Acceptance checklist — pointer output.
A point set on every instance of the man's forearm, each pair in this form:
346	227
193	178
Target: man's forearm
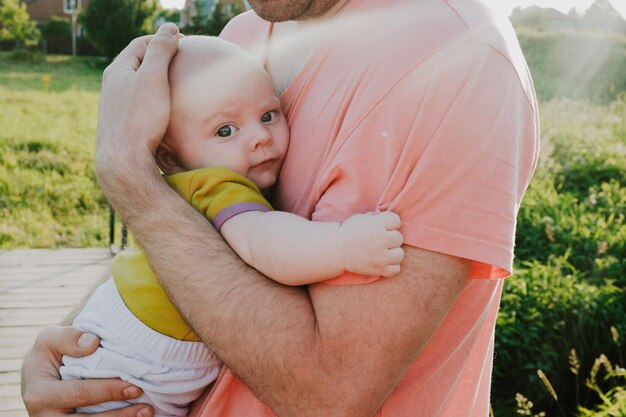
219	294
327	351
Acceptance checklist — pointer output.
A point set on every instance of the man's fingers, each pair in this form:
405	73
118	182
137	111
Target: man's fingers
161	49
66	340
138	49
54	394
132	55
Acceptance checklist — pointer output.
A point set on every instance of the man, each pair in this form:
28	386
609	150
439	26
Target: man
422	107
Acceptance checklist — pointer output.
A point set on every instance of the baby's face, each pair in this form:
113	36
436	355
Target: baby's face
228	115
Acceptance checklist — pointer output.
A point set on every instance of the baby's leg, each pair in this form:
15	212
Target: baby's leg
171	372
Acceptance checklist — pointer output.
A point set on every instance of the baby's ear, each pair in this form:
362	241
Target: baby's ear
166	159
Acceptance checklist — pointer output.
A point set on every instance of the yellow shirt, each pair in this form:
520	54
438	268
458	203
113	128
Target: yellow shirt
216	192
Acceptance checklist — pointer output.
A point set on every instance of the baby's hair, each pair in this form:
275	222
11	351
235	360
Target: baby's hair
197	52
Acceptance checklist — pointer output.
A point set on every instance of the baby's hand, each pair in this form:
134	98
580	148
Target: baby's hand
371	244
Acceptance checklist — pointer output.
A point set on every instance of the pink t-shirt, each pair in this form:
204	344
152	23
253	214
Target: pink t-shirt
425	108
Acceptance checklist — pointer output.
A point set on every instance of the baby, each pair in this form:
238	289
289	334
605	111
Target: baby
224	147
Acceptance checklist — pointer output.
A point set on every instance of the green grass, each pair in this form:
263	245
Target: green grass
49	196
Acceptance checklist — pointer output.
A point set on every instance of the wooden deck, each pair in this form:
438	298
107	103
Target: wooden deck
38	287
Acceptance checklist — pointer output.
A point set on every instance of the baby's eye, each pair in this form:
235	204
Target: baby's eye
226	131
269	116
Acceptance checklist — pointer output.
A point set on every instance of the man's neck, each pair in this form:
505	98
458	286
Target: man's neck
293	43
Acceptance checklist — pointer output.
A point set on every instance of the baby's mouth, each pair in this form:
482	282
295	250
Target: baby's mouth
264	164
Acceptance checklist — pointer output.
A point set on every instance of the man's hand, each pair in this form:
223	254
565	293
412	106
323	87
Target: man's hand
134	106
46	395
371	244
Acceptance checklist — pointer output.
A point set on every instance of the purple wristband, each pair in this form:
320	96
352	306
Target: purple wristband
231	211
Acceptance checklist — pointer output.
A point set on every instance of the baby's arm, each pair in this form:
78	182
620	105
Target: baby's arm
295	251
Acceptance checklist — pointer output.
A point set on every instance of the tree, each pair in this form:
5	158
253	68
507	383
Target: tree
167	15
602	16
111	24
220	17
15	24
57	26
209	20
199	19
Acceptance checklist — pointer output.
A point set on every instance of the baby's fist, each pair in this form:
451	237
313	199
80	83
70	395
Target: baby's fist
371	244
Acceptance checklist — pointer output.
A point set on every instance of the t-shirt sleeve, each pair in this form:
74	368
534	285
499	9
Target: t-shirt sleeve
454	143
218	193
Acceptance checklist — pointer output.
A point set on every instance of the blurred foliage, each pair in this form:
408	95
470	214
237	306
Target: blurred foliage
613	399
601	16
569	284
111	24
167	15
57	26
16	26
57	38
210	22
589	65
572	55
577	200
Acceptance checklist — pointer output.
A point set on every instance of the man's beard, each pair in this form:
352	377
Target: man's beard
282	10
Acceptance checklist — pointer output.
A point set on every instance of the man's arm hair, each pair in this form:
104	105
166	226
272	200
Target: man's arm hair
326	350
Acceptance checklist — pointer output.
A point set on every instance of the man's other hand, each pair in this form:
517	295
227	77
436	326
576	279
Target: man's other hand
45	395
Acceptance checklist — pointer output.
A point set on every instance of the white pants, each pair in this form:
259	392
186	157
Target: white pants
172	373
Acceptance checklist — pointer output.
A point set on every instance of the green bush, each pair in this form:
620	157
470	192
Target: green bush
212	23
110	25
569	285
27	56
16	25
577	200
57	26
613	402
548	309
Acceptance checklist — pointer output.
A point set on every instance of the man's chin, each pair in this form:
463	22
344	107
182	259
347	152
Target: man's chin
281	10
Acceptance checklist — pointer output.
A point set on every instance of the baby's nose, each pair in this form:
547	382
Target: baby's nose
260	138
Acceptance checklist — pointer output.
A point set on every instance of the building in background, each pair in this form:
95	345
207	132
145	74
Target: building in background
42	10
58	22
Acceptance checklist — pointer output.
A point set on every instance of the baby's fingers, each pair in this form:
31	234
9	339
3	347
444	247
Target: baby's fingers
394	259
391	270
391	220
395	256
394	239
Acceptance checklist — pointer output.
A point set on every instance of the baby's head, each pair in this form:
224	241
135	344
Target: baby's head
225	112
